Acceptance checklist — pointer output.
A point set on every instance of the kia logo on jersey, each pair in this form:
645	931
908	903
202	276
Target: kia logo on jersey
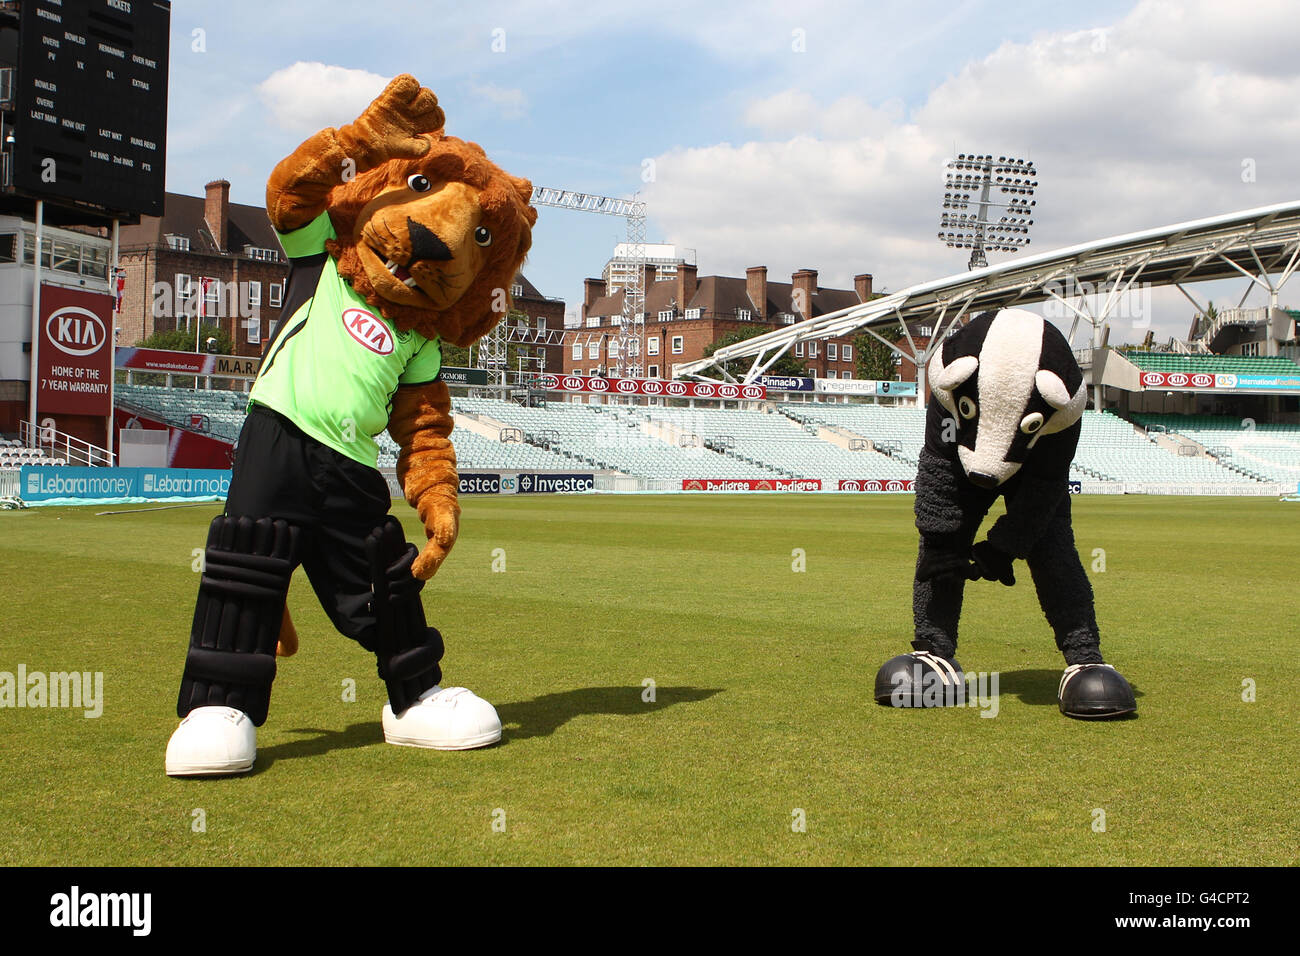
368	331
76	331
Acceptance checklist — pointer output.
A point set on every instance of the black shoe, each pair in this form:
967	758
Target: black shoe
1095	690
921	679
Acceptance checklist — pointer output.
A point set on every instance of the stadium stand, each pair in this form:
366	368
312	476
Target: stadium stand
1266	452
1221	364
1111	448
14	454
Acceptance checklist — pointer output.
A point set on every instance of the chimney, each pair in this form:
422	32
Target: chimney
592	289
686	286
216	210
862	286
804	283
756	289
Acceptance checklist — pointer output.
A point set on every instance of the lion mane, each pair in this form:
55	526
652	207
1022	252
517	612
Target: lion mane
504	202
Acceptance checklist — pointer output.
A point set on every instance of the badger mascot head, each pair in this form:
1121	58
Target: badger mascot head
1007	379
1008	399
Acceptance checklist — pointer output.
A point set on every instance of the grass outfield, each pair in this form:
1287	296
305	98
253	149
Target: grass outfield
763	696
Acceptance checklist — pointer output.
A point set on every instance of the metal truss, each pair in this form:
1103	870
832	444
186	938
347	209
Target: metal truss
1256	243
631	329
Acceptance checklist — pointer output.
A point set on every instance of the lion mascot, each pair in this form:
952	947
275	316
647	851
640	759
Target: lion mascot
1008	401
398	238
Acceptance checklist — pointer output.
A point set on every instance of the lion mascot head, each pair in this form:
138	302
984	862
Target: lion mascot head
434	243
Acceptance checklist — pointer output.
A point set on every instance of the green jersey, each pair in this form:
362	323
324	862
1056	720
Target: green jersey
334	361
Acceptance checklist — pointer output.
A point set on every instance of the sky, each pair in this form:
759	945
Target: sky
813	135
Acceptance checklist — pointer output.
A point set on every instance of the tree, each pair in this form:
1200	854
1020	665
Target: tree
787	364
182	340
875	360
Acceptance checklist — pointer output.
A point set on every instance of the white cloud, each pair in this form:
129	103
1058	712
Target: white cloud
305	97
1144	123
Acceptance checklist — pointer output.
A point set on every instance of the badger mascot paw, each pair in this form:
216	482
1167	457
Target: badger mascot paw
399	238
1004	420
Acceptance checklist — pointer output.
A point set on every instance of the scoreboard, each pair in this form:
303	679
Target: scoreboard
90	121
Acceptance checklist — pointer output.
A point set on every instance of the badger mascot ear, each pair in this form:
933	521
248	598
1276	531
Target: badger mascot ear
1069	408
945	378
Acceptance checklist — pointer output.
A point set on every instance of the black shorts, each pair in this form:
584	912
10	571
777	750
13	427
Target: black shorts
282	472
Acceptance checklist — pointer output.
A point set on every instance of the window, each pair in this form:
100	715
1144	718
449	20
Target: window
846	374
211	295
593	321
541	323
257	252
925	331
516	290
652	345
744	315
832	352
577	351
798	350
29	250
593	349
67	257
179	243
613	348
184	287
785	318
848	353
653	371
275	295
94	262
667	315
8	246
677	345
812	349
693	313
254	294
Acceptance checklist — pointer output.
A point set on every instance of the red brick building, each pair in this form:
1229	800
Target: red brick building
204	257
539	338
686	314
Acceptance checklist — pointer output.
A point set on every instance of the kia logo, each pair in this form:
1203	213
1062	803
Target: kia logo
728	391
704	390
850	486
76	331
909	485
1177	378
368	331
598	384
1153	378
894	485
873	485
752	391
652	387
1202	380
676	388
573	384
626	385
548	381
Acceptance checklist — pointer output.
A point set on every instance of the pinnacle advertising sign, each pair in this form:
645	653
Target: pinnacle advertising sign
75	370
595	385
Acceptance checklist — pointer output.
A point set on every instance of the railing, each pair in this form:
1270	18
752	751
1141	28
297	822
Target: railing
58	444
1246	317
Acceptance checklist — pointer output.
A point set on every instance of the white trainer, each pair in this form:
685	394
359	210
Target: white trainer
212	741
453	718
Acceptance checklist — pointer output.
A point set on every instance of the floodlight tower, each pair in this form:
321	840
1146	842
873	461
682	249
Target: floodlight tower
1004	183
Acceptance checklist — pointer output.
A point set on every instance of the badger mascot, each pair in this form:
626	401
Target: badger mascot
1008	399
398	238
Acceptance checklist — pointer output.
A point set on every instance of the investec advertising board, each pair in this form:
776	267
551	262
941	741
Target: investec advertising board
525	483
76	361
43	483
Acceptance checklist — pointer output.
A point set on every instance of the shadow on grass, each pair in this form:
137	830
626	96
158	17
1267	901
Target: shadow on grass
543	715
323	741
1038	687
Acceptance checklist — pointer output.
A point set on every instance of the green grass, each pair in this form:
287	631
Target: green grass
763	682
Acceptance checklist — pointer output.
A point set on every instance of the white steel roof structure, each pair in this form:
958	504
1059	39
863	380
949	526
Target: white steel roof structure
1255	243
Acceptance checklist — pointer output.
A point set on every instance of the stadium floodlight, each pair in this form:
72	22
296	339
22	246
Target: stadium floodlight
975	184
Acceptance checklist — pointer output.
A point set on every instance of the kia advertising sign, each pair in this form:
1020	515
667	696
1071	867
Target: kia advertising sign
76	361
648	386
879	485
1219	381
